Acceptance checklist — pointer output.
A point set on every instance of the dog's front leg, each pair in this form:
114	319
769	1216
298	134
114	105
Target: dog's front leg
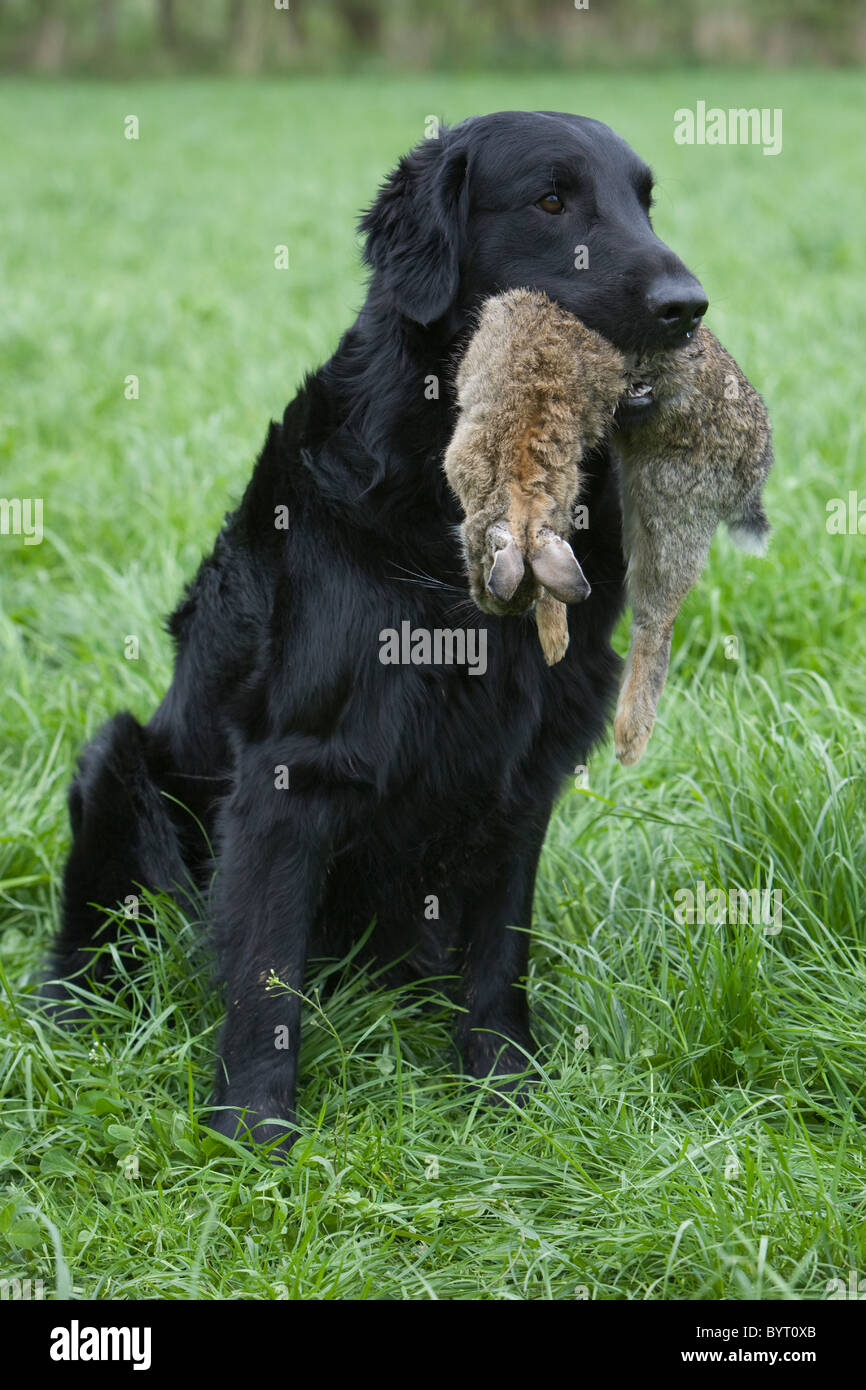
494	1034
272	867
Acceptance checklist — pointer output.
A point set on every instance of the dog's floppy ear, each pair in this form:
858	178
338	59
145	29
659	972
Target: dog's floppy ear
415	228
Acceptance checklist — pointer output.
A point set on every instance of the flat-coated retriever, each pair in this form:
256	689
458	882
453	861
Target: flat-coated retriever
341	772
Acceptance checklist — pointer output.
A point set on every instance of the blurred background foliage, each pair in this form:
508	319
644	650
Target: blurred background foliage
127	38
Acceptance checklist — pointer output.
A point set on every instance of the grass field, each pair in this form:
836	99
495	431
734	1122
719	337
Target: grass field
699	1129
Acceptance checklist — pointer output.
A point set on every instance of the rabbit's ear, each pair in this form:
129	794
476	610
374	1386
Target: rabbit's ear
507	572
555	566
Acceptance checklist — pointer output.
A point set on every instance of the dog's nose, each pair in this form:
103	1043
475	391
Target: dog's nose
678	303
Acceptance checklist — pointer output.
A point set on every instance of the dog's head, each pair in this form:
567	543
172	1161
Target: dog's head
553	202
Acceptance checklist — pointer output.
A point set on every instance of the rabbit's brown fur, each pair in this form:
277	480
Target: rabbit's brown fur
536	389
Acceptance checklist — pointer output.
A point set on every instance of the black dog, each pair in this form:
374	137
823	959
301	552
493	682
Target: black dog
338	789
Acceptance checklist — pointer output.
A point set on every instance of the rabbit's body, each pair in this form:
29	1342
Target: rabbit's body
537	388
701	457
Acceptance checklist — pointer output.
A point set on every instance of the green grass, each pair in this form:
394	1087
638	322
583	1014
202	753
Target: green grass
699	1129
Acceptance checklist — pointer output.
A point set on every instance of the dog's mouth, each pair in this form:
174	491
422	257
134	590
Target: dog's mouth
649	381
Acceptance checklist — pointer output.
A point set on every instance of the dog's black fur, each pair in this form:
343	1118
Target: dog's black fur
404	782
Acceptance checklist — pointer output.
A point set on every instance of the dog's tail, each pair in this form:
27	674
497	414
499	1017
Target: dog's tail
124	839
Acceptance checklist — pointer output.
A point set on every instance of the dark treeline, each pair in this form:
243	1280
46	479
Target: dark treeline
126	37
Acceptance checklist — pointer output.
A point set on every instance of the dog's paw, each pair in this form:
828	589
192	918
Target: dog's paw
489	1056
56	997
258	1122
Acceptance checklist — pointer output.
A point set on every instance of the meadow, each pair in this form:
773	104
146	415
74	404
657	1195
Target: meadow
698	1130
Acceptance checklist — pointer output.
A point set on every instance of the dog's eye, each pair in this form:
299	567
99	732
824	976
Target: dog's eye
551	202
